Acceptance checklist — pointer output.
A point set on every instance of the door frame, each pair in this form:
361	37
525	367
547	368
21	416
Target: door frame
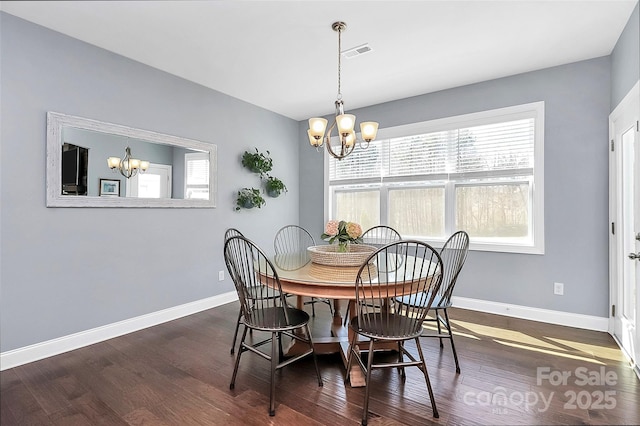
630	106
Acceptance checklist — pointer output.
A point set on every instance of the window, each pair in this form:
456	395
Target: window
196	176
479	172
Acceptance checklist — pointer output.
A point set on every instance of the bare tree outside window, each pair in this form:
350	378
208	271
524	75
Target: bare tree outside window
417	211
500	211
362	207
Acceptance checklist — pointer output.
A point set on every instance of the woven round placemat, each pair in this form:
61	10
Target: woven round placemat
330	256
343	274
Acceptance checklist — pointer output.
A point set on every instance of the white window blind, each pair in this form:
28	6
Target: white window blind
196	175
198	170
495	147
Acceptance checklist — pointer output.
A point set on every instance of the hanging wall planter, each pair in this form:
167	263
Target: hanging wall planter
258	162
249	198
274	187
262	164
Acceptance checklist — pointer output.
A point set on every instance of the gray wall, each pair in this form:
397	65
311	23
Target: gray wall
625	59
576	100
66	270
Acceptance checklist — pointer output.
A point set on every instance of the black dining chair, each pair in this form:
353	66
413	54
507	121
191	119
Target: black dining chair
264	309
294	240
417	279
453	254
380	235
232	232
376	236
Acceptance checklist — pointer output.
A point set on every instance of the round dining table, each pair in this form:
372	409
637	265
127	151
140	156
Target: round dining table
301	277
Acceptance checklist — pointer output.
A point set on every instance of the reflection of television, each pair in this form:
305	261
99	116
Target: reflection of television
74	169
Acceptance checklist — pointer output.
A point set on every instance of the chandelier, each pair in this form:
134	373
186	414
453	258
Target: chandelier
127	166
344	123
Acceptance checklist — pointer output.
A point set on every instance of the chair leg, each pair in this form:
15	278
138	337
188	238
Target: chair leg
235	369
280	350
453	346
365	412
350	357
346	315
274	363
235	333
400	360
426	376
328	302
315	357
437	315
313	307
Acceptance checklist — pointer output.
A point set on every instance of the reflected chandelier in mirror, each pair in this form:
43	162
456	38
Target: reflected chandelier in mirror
179	172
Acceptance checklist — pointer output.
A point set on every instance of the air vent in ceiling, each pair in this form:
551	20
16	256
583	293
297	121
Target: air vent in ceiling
356	51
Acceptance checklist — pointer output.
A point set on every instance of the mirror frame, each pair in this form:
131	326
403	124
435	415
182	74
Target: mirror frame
55	123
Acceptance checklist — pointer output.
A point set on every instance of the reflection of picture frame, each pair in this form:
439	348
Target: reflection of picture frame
109	188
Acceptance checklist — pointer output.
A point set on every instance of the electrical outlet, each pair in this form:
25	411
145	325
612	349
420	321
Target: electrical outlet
558	288
221	276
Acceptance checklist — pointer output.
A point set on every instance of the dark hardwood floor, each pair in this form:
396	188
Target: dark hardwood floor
178	373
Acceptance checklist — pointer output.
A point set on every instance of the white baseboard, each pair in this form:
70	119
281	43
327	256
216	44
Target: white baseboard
588	322
60	345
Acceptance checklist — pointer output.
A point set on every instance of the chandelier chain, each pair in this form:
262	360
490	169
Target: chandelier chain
339	61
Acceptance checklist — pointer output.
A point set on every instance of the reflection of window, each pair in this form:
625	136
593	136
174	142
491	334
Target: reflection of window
475	172
196	176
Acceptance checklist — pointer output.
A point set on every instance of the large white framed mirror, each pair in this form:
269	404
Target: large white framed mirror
87	166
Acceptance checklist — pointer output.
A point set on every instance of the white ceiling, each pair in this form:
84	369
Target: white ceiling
282	55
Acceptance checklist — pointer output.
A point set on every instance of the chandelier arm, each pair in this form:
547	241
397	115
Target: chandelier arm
342	154
121	168
363	144
327	141
344	150
129	173
126	160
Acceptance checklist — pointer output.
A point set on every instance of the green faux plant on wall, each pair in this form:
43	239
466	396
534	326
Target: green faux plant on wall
275	187
258	162
249	198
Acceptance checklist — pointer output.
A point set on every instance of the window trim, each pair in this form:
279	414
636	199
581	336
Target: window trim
530	110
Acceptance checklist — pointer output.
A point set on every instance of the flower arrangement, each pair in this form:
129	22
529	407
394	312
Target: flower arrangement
343	232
